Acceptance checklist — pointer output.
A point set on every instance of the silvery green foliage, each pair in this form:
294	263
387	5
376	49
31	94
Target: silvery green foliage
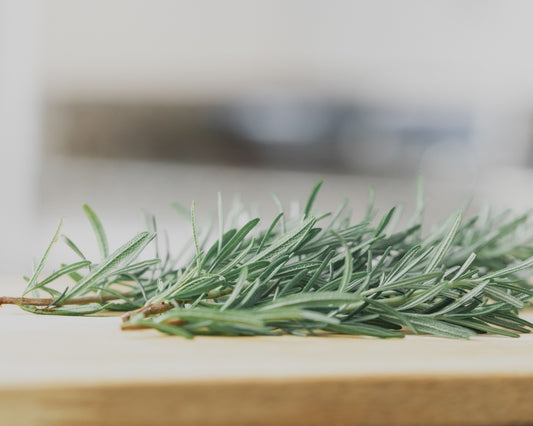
310	274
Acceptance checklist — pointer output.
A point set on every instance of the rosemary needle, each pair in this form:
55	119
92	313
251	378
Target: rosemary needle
307	274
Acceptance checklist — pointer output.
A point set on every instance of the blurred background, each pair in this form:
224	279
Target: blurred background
130	104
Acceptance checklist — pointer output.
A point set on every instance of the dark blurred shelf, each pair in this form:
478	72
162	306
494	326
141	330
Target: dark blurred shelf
286	134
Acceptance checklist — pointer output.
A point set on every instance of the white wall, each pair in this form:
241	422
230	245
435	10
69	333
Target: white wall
19	130
451	51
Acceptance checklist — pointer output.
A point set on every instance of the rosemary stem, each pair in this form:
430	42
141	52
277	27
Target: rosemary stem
160	307
134	326
6	300
151	309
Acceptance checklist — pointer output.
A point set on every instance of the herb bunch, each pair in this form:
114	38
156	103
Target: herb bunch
306	275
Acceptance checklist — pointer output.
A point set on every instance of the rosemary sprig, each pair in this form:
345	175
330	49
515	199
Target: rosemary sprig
308	274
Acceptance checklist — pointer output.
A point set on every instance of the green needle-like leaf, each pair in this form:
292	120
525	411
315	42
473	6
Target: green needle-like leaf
98	229
444	246
112	263
312	197
32	283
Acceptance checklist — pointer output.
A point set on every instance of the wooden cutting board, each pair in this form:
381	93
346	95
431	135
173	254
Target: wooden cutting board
86	371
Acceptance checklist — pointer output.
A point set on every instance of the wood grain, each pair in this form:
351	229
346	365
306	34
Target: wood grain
83	371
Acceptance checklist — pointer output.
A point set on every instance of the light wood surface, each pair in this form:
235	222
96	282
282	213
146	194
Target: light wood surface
84	371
